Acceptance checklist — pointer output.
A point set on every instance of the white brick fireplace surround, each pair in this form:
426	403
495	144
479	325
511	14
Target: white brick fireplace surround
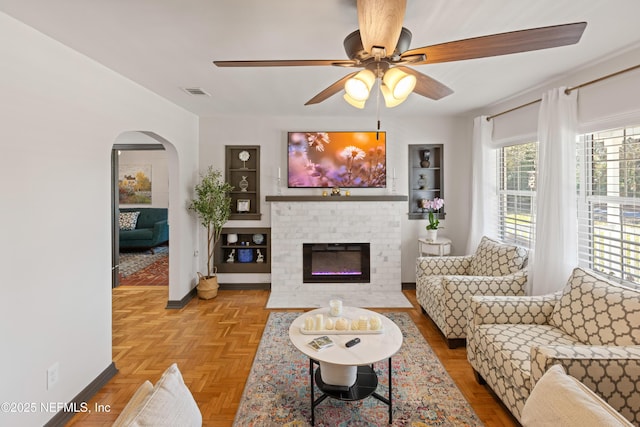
348	219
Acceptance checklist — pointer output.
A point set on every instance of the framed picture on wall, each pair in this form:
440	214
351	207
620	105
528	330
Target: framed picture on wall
134	184
244	205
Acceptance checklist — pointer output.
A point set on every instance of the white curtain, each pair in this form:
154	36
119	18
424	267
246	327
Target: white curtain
483	190
556	242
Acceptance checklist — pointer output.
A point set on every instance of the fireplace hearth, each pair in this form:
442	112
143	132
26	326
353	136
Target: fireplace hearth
336	262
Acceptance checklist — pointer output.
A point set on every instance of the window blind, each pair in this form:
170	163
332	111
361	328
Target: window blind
608	187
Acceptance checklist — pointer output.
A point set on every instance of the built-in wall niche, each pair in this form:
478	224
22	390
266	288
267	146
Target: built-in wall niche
426	178
243	250
242	171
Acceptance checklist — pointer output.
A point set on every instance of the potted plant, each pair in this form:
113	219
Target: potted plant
431	206
212	204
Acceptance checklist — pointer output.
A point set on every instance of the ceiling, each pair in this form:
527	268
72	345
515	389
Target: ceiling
167	45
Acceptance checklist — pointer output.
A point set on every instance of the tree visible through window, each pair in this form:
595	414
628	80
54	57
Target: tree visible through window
516	193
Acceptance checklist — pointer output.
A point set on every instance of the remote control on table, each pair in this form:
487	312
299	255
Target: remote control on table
352	342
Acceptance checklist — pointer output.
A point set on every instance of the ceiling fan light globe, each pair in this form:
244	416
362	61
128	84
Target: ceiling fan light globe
359	86
389	100
353	102
399	83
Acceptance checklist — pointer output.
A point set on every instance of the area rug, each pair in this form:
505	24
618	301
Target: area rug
132	262
277	390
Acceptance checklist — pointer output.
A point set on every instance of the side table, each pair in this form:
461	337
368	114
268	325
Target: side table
439	247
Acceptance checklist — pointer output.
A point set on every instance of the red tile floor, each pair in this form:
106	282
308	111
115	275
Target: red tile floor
156	274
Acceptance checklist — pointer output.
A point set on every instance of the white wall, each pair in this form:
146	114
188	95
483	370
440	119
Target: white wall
271	134
61	114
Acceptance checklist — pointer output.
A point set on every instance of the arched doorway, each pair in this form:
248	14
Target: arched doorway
160	165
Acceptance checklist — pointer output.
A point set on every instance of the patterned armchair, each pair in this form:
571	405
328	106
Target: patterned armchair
445	284
591	328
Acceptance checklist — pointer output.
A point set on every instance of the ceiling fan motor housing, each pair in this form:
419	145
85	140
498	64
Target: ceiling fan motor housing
355	50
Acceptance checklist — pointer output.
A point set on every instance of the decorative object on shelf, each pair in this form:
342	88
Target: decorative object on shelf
259	257
212	204
258	238
431	206
422	182
245	255
425	156
325	193
347	193
232	238
232	256
244	156
335	191
243	184
244	205
425	178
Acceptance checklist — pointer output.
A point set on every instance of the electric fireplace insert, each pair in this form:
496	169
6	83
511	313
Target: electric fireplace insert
336	262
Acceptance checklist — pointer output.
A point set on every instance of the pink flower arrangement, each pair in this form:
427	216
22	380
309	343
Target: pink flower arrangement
432	206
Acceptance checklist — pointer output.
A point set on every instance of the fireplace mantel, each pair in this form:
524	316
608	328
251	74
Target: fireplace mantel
372	198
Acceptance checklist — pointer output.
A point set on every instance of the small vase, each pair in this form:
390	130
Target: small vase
243	184
426	154
432	235
422	182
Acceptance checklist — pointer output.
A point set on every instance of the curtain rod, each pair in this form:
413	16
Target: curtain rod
567	91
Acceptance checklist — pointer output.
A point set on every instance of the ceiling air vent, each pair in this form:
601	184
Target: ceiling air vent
196	91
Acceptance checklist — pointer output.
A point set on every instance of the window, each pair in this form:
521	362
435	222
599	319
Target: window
517	193
609	203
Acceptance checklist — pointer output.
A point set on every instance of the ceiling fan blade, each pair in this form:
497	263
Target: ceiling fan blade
427	86
500	44
331	90
287	63
380	23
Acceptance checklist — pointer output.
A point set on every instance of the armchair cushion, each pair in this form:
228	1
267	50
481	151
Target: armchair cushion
493	258
597	311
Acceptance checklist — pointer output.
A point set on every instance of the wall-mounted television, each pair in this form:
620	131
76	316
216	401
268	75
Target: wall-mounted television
336	159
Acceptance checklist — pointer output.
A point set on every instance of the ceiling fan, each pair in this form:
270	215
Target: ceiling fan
381	48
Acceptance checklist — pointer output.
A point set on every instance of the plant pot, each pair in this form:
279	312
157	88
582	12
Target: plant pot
432	235
207	286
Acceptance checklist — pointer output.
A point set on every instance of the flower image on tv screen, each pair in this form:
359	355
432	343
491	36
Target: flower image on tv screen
337	159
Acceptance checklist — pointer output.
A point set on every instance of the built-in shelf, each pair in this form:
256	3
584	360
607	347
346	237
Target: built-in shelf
244	176
426	177
249	252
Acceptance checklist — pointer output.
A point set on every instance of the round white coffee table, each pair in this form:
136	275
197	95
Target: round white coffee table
348	372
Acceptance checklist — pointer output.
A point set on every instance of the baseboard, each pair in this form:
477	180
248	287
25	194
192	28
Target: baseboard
63	417
408	286
178	304
245	286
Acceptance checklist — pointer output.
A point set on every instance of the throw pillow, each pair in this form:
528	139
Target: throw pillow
134	407
169	404
559	400
128	220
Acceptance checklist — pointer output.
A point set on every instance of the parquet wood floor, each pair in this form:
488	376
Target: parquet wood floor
214	343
